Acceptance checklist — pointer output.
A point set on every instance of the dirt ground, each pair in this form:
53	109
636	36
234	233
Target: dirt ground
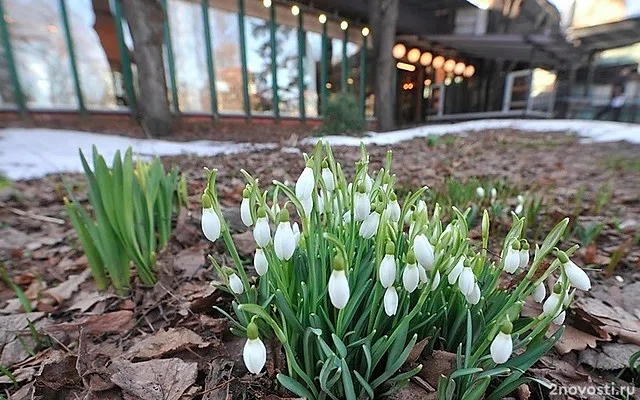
99	346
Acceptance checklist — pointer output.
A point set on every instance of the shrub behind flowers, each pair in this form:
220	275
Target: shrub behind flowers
350	292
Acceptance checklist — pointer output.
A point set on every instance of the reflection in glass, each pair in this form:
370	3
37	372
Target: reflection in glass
287	61
259	65
312	65
7	98
40	53
334	53
225	38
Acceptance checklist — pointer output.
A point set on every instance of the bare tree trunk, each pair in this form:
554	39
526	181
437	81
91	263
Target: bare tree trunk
146	23
383	16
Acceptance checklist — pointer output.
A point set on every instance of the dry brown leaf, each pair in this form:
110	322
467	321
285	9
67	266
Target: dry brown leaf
163	343
575	339
113	322
12	324
85	300
440	363
612	356
24	374
67	288
190	260
165	379
608	320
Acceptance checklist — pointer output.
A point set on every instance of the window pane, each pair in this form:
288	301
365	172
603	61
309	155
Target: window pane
41	53
225	39
312	65
259	65
335	66
97	55
287	60
7	98
187	39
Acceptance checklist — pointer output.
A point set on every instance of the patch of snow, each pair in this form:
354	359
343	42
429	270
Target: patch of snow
34	153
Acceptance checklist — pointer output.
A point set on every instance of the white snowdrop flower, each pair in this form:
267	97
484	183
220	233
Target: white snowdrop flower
346	217
296	232
559	319
550	305
436	281
520	199
327	177
390	301
480	192
262	231
370	224
501	347
361	204
456	271
512	259
245	209
524	255
411	274
305	183
338	284
284	241
393	208
368	183
260	262
254	353
236	284
387	270
577	277
320	203
424	251
518	209
210	224
422	273
307	206
474	297
408	217
466	281
539	293
494	195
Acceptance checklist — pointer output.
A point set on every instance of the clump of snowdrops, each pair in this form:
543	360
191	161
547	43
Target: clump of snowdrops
350	290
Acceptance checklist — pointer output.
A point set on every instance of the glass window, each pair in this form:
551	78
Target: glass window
334	53
97	54
187	39
7	97
225	38
312	66
259	65
40	52
287	61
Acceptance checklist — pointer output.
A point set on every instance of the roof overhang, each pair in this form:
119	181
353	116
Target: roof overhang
607	36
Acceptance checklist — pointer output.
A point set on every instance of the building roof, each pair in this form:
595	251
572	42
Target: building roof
607	36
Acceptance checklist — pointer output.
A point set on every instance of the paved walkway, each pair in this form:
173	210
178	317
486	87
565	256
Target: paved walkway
33	153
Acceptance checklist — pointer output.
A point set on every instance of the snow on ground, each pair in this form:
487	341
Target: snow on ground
33	153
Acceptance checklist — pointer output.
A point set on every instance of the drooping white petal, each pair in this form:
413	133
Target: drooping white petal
455	272
390	301
346	217
210	224
423	274
511	260
262	232
235	284
284	242
520	199
436	281
338	289
307	206
260	262
254	355
320	203
518	209
424	251
524	258
245	212
549	306
410	277
387	270
501	348
393	209
327	177
480	191
361	206
474	297
539	293
305	183
577	276
559	319
296	232
369	226
466	281
368	183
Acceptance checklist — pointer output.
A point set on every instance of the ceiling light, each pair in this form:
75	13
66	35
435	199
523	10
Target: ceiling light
399	51
425	59
406	67
438	62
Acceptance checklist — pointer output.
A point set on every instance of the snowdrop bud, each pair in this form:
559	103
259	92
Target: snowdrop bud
411	274
408	217
502	345
424	251
520	199
235	284
346	217
524	254
512	259
480	192
456	271
338	284
320	203
387	270
254	353
539	293
327	177
559	320
422	273
284	242
518	209
305	183
466	281
370	224
494	195
245	209
210	224
296	232
361	204
436	281
368	183
474	297
550	305
260	262
262	232
393	208
577	277
390	301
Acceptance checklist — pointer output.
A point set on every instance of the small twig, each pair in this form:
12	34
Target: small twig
37	217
